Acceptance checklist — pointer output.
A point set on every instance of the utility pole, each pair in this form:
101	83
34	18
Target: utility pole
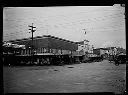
84	31
123	5
32	31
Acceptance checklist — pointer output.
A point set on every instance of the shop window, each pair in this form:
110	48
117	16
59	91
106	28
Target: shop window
45	50
41	50
25	51
51	51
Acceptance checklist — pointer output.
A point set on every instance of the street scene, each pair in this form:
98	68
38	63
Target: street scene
85	77
64	49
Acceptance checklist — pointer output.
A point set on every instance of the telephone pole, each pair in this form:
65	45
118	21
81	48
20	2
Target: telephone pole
32	31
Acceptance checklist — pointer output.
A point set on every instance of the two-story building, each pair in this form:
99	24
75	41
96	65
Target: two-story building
101	52
85	49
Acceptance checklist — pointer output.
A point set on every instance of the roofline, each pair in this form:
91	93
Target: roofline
86	40
81	41
102	48
108	48
40	37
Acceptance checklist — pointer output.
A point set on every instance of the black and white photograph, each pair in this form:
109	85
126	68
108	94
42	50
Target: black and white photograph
64	49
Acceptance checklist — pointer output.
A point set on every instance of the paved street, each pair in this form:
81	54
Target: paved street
84	77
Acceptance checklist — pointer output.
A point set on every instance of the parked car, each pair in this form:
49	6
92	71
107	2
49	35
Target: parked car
121	59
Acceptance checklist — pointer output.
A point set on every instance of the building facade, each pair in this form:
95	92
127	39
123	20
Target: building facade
109	51
101	52
83	47
46	44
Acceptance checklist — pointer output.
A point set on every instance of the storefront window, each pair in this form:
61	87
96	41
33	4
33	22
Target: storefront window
51	50
41	50
45	50
25	51
38	50
59	51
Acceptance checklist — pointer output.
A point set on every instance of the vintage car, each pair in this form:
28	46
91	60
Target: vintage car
121	59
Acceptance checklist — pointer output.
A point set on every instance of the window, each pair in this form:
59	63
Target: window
30	51
37	50
40	50
21	52
25	51
59	51
45	50
51	51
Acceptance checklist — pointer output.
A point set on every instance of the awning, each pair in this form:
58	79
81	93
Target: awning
44	54
77	55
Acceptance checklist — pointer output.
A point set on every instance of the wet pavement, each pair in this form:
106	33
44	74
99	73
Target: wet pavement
85	77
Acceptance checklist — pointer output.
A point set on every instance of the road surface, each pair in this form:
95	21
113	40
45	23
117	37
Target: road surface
85	77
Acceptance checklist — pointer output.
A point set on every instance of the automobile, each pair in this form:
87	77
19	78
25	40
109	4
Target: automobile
121	59
111	58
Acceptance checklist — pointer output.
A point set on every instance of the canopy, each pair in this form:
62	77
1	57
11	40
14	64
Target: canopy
8	44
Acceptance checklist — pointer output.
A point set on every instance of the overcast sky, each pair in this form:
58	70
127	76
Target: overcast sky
104	25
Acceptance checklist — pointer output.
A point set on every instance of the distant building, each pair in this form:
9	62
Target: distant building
116	50
9	48
96	51
85	50
83	47
101	52
112	50
108	51
121	50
